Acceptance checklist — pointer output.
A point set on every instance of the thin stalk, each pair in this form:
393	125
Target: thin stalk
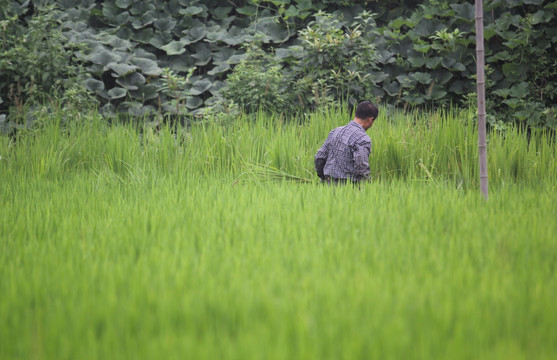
480	82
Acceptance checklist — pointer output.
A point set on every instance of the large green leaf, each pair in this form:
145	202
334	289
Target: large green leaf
123	4
248	10
515	72
464	11
96	69
452	64
103	57
165	24
216	36
145	20
392	88
144	92
142	7
416	61
237	35
436	93
161	39
513	103
406	81
542	16
202	54
414	99
144	36
421	77
142	53
500	55
402	47
238	58
221	12
489	32
108	110
433	62
117	43
273	29
200	86
223	55
519	90
219	69
121	69
110	11
197	33
125	56
135	108
191	11
117	93
193	102
428	27
131	81
179	63
423	48
441	76
124	32
378	76
399	22
175	47
94	85
504	92
459	87
216	87
147	66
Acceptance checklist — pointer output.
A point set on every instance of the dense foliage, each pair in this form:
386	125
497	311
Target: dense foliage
151	58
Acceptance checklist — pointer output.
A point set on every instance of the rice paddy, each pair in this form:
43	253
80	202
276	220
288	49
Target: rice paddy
218	241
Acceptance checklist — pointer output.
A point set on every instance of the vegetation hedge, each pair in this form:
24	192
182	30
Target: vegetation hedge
180	57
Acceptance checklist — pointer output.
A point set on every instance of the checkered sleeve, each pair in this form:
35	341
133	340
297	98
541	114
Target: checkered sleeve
361	151
321	158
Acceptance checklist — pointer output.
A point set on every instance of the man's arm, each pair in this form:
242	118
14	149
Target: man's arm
361	160
321	159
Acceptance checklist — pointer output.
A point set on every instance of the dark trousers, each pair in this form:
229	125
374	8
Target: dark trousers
335	181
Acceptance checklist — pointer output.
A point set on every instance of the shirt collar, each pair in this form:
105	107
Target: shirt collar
358	125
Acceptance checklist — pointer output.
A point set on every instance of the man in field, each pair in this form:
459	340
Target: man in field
345	154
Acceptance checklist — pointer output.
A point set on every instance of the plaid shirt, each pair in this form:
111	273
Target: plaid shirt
345	154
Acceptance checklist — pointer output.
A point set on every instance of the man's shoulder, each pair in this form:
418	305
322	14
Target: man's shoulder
359	130
337	129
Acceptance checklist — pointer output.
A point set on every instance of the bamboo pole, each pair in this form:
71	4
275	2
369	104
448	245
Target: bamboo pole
480	84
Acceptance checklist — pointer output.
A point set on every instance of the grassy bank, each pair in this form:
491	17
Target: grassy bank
174	244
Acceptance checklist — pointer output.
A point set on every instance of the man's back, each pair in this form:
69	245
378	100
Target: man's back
345	154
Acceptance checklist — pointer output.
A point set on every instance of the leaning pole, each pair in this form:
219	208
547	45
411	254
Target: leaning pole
480	83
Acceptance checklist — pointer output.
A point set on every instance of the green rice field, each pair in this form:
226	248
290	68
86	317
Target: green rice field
217	241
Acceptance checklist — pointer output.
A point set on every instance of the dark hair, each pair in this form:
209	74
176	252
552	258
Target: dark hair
366	109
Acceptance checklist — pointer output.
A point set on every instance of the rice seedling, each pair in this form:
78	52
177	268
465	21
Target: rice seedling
197	243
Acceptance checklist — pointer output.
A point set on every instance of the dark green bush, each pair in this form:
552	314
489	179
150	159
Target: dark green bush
331	62
36	62
257	83
336	59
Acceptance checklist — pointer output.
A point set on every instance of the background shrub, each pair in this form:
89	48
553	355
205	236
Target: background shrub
257	83
36	62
